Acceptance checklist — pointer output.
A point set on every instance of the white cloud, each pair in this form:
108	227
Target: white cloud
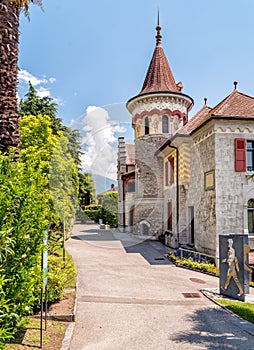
25	76
43	92
52	80
99	142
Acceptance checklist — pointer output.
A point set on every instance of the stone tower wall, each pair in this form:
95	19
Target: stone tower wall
149	193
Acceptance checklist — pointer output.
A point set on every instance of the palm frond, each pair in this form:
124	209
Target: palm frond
24	4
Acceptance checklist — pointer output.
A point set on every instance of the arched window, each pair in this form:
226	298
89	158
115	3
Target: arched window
146	126
165	124
251	216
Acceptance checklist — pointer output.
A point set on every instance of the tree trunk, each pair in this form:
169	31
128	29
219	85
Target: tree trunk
9	40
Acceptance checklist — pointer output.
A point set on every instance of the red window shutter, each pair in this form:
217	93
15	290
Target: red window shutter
240	155
166	174
172	169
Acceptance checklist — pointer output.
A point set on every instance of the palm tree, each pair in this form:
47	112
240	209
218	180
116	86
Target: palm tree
9	40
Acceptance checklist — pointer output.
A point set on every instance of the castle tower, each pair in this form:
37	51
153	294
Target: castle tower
158	112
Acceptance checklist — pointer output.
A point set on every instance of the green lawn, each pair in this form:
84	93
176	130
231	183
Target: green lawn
244	310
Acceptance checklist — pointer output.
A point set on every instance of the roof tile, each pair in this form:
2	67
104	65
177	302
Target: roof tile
159	76
235	105
195	120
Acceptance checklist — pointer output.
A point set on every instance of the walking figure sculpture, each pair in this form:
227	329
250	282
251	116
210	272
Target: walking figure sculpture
233	267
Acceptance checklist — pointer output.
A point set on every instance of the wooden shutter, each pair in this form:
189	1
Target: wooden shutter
166	174
172	169
240	155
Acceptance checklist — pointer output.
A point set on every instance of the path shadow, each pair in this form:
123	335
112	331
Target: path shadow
213	330
154	252
95	235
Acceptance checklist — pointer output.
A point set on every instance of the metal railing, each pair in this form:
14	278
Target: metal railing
195	256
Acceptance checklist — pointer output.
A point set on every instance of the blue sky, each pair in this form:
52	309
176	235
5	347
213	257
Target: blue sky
96	53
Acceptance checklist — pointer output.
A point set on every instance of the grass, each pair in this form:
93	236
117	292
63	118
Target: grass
244	310
30	337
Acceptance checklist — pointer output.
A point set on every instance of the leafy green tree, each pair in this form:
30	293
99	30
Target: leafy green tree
87	192
49	153
74	145
24	214
63	182
32	104
110	208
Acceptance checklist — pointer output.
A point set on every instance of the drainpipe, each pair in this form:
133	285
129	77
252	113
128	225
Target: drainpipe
123	204
177	191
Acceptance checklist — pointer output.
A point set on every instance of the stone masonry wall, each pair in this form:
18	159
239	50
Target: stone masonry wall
148	203
203	201
230	196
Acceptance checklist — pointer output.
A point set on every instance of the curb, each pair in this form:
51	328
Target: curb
238	321
67	338
69	331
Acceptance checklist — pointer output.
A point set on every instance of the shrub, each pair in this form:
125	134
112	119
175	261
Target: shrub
109	212
93	215
60	275
93	207
200	266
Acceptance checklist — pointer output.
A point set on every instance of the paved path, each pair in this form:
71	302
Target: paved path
130	297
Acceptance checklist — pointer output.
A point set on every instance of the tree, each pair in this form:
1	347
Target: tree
35	105
87	192
49	153
110	209
63	182
9	40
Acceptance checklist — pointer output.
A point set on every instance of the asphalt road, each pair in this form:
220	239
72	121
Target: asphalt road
129	296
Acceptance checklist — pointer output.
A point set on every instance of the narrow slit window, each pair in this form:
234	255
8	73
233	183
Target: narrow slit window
146	126
165	124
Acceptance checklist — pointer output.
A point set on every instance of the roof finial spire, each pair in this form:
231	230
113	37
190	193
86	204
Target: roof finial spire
205	99
158	28
235	83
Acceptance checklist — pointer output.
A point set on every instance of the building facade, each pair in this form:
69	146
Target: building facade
191	179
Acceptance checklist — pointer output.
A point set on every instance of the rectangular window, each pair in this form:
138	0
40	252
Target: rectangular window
250	155
240	155
171	161
131	186
170	216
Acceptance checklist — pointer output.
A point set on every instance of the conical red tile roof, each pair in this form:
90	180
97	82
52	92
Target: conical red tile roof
159	76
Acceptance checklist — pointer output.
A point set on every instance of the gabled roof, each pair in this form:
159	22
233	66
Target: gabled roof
159	76
130	154
195	120
235	105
